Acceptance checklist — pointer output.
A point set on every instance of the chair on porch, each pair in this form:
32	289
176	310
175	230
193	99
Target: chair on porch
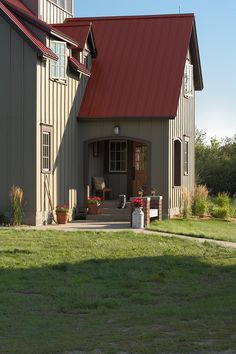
99	186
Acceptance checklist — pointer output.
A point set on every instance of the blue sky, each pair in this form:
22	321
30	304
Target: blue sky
216	27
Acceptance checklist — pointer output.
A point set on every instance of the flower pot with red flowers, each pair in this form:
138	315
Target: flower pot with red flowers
137	215
62	213
94	205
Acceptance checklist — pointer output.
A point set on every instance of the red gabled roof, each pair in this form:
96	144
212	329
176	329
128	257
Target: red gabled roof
19	5
78	67
140	64
20	27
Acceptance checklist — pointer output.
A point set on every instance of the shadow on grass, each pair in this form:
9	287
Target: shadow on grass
143	305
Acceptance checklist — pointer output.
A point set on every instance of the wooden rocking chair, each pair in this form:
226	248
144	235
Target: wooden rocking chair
99	186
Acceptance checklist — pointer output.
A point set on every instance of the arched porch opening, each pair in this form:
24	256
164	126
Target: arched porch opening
123	162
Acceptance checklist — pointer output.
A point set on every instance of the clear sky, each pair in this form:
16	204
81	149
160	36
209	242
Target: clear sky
216	27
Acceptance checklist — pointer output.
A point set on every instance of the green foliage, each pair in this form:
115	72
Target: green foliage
186	209
16	198
200	201
216	164
220	212
3	219
222	200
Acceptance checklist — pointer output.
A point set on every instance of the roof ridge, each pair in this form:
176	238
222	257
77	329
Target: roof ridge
129	17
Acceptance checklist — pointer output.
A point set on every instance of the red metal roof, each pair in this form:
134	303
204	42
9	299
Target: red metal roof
33	41
19	5
140	65
78	31
78	67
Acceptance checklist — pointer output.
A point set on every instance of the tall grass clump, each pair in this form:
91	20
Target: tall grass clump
16	198
221	208
186	208
200	201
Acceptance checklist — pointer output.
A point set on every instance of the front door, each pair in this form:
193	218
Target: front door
139	168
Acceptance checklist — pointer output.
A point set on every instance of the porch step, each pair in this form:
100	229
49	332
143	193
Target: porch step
110	212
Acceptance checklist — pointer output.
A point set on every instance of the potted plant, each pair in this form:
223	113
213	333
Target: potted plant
94	204
62	213
137	215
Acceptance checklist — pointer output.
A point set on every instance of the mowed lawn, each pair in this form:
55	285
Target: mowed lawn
205	228
115	293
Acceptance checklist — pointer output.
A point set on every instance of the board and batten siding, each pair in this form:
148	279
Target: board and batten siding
183	125
154	131
17	115
58	107
52	13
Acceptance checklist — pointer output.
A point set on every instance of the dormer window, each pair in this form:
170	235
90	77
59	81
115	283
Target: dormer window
188	80
65	4
58	68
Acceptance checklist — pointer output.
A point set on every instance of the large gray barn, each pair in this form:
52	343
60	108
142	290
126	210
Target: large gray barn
111	97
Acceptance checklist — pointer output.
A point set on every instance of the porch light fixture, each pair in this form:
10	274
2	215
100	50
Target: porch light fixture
117	130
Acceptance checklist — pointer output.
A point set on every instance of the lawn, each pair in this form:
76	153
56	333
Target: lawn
213	229
115	293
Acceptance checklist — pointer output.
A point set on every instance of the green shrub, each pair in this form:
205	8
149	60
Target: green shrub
16	198
200	201
3	219
220	212
222	200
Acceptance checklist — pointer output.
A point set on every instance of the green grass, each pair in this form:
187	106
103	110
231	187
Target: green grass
115	292
212	229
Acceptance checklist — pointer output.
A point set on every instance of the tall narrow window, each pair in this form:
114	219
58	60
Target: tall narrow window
58	68
65	4
177	163
46	146
188	80
186	155
118	156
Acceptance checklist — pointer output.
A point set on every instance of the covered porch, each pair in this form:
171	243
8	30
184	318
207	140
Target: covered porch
121	162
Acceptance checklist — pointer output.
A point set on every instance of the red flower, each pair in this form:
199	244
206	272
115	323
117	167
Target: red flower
137	202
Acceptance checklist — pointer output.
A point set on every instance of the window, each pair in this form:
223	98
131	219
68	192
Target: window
140	158
58	68
188	80
65	4
46	145
117	156
177	163
186	155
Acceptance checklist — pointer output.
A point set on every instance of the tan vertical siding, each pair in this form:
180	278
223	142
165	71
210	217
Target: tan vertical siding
58	106
183	124
51	13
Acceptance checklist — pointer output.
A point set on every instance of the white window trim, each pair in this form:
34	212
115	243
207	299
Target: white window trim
188	80
117	171
48	129
58	78
186	140
62	8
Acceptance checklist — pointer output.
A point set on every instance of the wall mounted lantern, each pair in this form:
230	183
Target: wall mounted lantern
117	130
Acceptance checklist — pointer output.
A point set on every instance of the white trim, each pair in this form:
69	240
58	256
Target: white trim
55	63
62	8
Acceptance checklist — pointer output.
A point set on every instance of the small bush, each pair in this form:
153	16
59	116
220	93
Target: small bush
222	200
3	219
200	201
221	212
186	209
16	198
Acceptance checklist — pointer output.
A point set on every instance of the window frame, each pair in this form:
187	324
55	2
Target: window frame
46	129
110	160
179	176
188	80
186	153
64	7
57	63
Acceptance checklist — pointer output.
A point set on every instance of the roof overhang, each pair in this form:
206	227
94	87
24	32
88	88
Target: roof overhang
78	67
195	56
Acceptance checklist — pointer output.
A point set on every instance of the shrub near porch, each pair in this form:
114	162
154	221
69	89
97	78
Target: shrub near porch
114	292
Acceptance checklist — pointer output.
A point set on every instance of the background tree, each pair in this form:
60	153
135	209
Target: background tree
216	163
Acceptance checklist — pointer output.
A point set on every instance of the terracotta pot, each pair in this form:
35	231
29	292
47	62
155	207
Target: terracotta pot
62	218
94	209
